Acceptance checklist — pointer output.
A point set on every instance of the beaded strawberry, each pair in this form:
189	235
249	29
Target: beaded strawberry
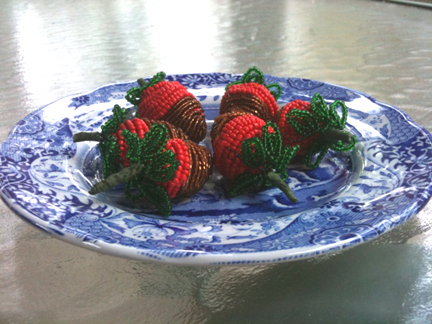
315	127
112	146
248	151
160	168
159	99
251	95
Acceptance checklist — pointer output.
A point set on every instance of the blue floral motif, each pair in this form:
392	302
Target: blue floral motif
304	84
348	234
30	126
349	199
80	101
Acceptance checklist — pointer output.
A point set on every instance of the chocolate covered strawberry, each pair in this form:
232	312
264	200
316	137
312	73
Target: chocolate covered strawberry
159	99
160	168
315	127
112	146
248	151
251	95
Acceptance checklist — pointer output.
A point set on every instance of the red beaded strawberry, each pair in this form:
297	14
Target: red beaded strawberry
112	145
170	101
315	127
248	151
251	95
160	168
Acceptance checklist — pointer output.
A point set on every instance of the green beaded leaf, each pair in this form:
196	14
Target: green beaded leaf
251	75
325	120
113	124
139	188
134	189
320	119
272	141
263	156
342	147
256	76
277	92
158	77
159	165
321	112
267	153
253	153
163	167
246	181
287	154
327	116
155	140
133	96
303	122
158	196
110	151
336	121
134	153
320	148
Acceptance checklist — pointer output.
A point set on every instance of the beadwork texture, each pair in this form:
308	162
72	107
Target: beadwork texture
249	152
315	127
158	168
170	101
251	95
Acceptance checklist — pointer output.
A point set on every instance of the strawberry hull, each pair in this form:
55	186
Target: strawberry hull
248	151
141	127
158	168
227	144
316	127
289	136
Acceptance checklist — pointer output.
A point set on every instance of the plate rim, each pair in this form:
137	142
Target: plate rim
204	258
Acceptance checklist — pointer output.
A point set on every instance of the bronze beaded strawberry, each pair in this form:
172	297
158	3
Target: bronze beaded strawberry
112	145
161	168
315	127
248	151
159	99
251	95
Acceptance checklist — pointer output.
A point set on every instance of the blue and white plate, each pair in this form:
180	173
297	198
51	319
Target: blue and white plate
351	198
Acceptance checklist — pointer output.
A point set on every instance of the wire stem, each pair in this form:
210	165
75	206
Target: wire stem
87	136
336	135
277	181
115	179
141	82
